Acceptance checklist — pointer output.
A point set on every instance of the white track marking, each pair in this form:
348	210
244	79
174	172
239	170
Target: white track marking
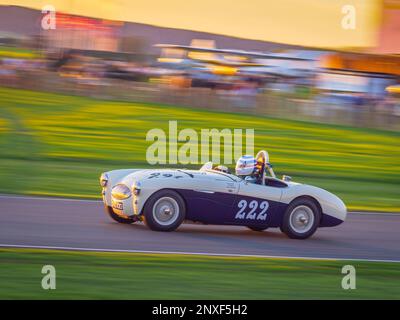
190	253
5	196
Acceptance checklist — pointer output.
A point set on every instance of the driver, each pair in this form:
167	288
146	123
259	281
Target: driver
246	166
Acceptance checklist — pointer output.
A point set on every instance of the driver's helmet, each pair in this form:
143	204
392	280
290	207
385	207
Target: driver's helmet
246	166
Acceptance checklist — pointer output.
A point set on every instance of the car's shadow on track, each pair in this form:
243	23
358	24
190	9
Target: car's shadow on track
232	231
192	229
237	236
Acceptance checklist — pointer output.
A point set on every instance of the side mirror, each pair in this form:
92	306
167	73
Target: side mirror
286	178
248	179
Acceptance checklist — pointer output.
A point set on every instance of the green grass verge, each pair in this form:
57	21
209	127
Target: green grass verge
89	275
18	53
53	144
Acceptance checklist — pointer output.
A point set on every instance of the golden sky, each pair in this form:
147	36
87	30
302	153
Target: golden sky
316	23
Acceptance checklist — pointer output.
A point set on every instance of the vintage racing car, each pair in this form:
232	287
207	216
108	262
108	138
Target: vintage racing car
164	198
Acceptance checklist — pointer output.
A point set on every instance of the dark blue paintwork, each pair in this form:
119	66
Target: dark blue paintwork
329	221
212	208
221	208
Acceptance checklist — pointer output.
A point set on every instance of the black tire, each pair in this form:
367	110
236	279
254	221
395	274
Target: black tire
117	217
311	213
259	229
159	207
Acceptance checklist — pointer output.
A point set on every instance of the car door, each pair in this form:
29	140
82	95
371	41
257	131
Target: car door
211	198
257	204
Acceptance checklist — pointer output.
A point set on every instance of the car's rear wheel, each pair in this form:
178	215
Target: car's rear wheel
164	211
119	218
301	219
255	228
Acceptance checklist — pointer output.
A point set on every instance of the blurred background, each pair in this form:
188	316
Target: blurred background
319	81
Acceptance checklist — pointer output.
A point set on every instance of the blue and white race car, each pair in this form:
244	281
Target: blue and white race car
164	198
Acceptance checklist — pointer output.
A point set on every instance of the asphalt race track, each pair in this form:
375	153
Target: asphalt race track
83	224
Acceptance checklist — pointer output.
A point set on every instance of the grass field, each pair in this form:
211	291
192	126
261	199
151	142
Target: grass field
58	145
89	275
17	53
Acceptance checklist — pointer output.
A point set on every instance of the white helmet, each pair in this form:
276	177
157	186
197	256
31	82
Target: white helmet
246	165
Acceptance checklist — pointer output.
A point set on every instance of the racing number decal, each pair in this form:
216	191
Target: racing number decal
242	205
167	175
263	214
252	214
253	206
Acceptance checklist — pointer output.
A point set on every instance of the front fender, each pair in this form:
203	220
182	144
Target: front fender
114	177
331	205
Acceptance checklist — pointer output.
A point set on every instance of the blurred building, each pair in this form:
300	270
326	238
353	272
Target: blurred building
83	33
388	35
342	62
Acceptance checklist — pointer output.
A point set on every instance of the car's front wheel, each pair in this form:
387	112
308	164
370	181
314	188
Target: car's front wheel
119	218
301	219
164	211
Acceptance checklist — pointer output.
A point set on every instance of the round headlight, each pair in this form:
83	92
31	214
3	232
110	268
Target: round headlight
121	192
103	179
136	188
